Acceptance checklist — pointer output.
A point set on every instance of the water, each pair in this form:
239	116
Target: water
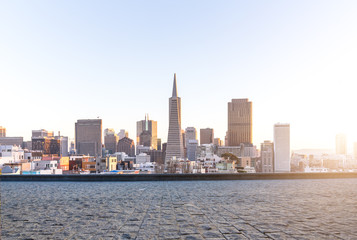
276	209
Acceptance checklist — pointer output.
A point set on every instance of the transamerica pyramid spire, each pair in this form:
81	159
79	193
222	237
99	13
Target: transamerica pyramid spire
174	89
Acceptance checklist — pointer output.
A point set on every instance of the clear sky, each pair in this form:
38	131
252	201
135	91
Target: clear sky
66	60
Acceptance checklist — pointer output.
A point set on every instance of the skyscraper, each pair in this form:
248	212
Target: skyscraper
127	145
191	149
63	143
190	134
281	147
149	126
123	134
239	122
42	133
174	140
341	144
206	136
110	140
89	137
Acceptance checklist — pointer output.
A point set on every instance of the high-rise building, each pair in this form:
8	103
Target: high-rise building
190	134
110	140
159	147
145	139
63	145
72	148
239	122
42	133
267	157
47	145
127	146
123	134
174	140
341	144
281	147
149	126
89	137
183	138
45	141
191	149
2	131
206	136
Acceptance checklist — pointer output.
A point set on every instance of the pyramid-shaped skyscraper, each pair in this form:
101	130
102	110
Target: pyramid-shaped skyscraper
174	139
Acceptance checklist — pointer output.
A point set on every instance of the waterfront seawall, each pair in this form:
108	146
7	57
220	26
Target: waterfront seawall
175	177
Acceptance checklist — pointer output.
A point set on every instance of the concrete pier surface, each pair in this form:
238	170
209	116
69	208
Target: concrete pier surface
177	177
184	210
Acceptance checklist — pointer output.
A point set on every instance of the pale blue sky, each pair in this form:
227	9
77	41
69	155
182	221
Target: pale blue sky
66	60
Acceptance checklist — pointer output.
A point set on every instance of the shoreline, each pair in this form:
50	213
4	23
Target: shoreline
174	177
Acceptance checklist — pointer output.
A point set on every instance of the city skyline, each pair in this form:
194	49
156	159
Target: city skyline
295	62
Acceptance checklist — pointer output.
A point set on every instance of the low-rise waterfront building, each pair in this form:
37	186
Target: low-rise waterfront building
142	158
235	150
11	154
105	164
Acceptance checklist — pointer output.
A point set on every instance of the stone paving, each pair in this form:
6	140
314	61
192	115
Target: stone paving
269	209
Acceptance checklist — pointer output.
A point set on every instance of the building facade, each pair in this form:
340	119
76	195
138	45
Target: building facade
63	145
147	126
281	147
240	127
341	144
190	134
42	133
89	137
17	141
174	146
127	146
46	145
267	157
192	149
110	140
206	136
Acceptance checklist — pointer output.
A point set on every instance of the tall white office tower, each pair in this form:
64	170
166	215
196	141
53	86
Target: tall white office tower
281	147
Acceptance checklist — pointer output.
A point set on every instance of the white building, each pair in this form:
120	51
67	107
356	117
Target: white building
281	147
148	167
142	149
142	158
11	154
341	144
46	167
